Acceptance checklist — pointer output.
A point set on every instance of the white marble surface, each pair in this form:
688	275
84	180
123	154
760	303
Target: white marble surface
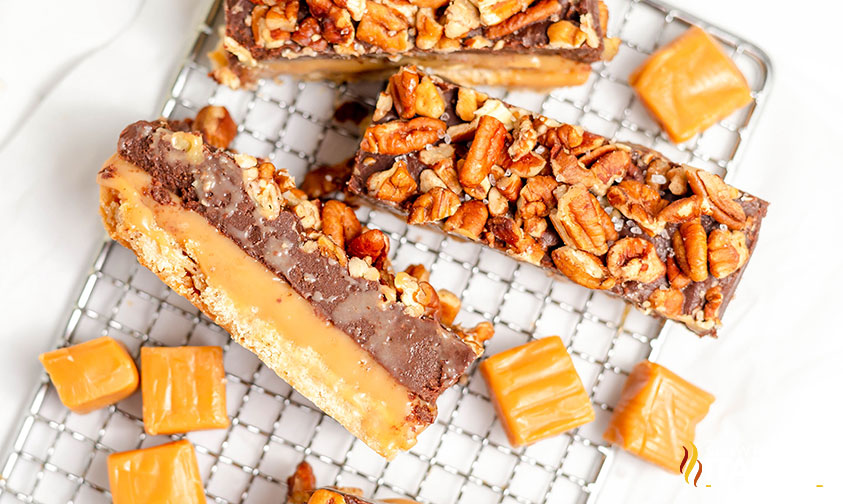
90	67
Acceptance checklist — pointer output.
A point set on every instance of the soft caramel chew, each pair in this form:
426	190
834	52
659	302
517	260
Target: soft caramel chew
657	415
690	84
164	474
183	389
91	375
536	391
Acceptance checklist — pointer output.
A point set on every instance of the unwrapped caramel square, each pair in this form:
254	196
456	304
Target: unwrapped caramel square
536	391
168	473
183	389
690	84
91	375
657	415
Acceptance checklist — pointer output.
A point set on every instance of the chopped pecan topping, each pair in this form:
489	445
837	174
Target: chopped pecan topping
449	306
284	15
469	219
509	186
433	155
402	137
325	180
339	222
383	106
518	242
402	87
718	199
635	259
568	169
262	33
428	30
691	249
639	202
418	297
434	205
331	250
582	267
309	34
446	172
372	244
727	252
216	125
675	276
682	210
527	166
539	11
565	34
582	222
468	101
536	197
487	145
301	484
429	102
428	179
418	271
337	27
384	27
479	334
493	12
498	204
713	302
395	184
524	138
667	302
609	168
461	17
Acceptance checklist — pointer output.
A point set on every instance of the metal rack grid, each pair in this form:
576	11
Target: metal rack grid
58	456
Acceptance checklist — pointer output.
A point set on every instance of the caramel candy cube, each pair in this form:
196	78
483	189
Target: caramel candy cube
183	389
690	84
657	414
166	473
91	375
536	391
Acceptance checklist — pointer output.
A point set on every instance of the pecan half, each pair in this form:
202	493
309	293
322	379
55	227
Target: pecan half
727	252
682	210
582	267
469	219
339	222
639	202
691	249
402	137
582	222
384	27
434	205
487	146
667	302
718	198
609	168
216	125
539	11
395	184
635	259
568	169
372	244
402	86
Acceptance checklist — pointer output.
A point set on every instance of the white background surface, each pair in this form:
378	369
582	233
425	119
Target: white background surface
71	83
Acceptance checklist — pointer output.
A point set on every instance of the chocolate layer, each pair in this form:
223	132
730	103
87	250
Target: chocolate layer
420	353
532	38
497	228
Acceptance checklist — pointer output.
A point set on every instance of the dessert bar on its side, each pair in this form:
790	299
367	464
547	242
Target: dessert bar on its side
296	281
613	216
525	43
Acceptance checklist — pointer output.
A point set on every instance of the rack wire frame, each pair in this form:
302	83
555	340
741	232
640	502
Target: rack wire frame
57	456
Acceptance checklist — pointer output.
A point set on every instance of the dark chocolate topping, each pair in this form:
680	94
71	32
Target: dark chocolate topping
419	352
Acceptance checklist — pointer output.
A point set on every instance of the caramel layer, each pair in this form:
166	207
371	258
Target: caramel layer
260	310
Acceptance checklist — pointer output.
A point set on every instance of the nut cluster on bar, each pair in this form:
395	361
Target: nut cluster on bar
294	28
608	215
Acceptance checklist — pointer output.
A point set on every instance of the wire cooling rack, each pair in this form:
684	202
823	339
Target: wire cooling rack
60	457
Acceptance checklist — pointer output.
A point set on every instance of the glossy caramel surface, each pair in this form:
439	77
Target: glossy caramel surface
168	473
91	375
536	391
690	84
657	415
183	389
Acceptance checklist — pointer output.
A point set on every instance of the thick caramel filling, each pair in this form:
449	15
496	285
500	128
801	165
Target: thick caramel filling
326	361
